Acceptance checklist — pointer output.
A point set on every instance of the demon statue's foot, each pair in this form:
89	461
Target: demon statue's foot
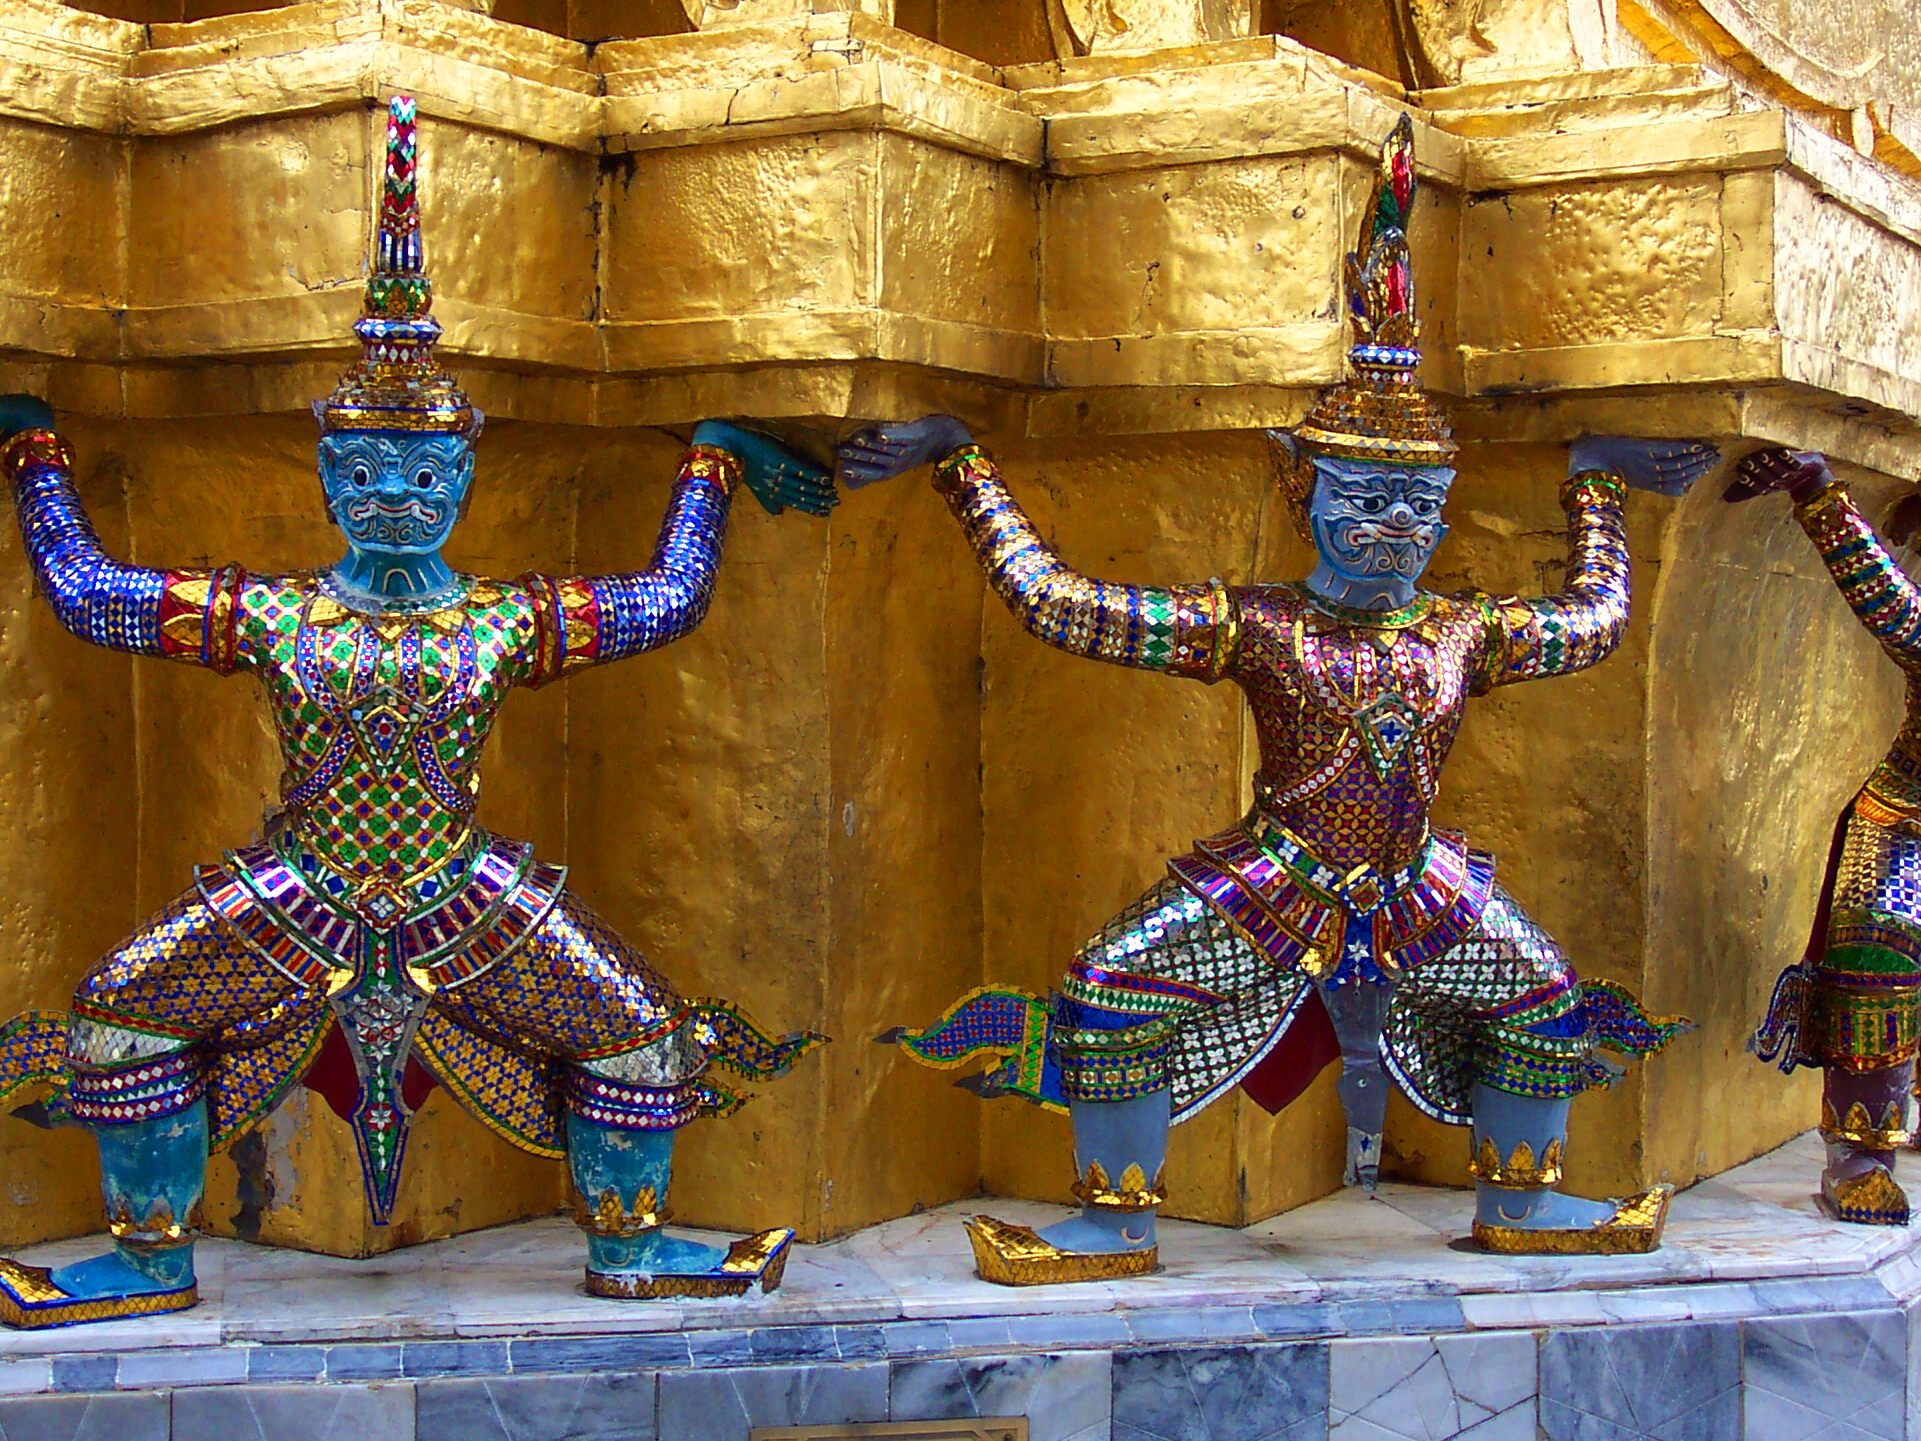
1518	1146
112	1287
1546	1223
1102	1233
1118	1146
1011	1255
152	1171
1864	1120
656	1266
621	1175
1857	1187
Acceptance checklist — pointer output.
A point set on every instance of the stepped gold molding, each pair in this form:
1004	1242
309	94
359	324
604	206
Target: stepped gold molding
1049	205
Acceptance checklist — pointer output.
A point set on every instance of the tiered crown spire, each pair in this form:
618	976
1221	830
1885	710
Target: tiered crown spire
397	384
1381	413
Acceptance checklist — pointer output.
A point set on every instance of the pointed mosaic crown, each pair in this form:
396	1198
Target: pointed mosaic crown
397	384
1381	412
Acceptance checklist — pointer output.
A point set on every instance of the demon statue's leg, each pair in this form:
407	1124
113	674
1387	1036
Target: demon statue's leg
136	1061
635	1060
1500	1033
1166	962
1119	1147
1529	1135
150	1120
1863	1121
620	1152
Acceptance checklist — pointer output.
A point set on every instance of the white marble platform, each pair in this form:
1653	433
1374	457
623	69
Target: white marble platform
1354	1307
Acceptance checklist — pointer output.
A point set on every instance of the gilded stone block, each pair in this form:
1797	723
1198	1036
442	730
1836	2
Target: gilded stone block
1219	274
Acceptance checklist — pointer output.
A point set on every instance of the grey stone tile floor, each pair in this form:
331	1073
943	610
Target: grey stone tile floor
1354	1318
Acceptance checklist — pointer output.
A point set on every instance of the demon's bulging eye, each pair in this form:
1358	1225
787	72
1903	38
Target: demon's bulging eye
424	479
361	475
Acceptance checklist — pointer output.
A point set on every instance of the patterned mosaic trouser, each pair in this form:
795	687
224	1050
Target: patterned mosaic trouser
1861	1009
1169	994
184	985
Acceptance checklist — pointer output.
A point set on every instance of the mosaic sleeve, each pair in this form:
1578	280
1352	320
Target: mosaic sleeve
1533	636
186	615
1188	630
1874	586
592	619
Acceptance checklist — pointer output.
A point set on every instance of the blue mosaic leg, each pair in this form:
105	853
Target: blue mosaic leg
621	1175
154	1173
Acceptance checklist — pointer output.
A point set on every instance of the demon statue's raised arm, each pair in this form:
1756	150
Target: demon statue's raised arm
376	927
1333	901
1850	1004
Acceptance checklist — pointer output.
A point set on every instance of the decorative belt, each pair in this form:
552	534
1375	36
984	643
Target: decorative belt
1360	891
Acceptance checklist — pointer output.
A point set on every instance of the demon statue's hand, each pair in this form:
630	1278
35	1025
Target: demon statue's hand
777	477
23	412
1669	467
1799	472
881	452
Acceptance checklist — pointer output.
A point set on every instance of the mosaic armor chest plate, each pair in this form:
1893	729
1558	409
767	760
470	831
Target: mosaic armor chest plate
1355	722
381	722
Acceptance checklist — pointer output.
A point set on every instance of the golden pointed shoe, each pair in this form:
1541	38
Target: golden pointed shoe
1633	1230
1873	1198
752	1261
31	1300
1010	1255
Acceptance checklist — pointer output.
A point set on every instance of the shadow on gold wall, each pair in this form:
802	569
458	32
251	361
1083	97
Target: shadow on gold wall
1364	33
1787	706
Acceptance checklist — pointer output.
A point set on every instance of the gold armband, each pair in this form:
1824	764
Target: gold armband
1227	629
41	445
1605	480
947	471
1857	1128
610	1217
1520	1171
1829	493
1132	1194
710	462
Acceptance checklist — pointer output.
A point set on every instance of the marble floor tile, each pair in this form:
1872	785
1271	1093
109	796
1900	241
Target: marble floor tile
1625	1383
537	1408
1063	1397
278	1413
1912	1314
1432	1388
85	1418
384	1302
1826	1378
26	1375
1227	1393
724	1405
